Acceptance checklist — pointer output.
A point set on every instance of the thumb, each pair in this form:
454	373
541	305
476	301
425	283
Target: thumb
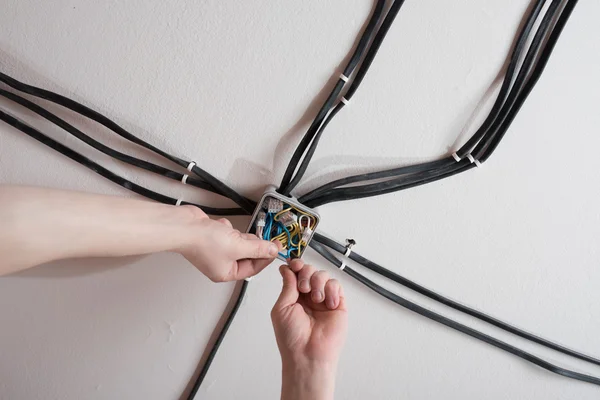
289	292
255	249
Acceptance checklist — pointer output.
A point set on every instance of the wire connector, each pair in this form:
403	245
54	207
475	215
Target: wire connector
261	219
307	234
288	218
274	205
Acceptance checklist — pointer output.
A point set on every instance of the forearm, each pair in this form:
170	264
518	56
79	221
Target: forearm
40	225
308	382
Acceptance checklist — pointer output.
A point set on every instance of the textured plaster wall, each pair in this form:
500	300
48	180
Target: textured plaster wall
233	84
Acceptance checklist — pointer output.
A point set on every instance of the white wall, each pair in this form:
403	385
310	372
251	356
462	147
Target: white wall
233	85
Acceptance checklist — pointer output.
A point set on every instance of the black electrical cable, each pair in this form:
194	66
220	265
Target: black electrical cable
485	153
217	344
404	182
63	101
87	112
546	26
354	60
136	162
86	162
453	324
390	186
340	248
518	49
393	172
325	193
360	74
313	147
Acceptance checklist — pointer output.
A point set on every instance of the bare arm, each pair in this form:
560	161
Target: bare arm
41	225
310	321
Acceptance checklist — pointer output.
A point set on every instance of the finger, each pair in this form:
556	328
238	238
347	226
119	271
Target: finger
250	267
332	294
225	221
249	236
296	264
289	292
304	276
247	268
317	285
250	248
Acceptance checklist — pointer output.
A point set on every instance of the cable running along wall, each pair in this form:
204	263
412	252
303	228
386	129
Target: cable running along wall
526	62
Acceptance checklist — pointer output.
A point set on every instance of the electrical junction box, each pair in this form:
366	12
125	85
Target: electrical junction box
284	219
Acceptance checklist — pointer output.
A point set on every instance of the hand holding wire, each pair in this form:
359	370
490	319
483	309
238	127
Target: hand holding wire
223	253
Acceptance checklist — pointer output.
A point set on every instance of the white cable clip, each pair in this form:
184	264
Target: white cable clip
178	202
344	77
342	266
248	279
456	157
184	179
349	244
191	165
473	160
345	101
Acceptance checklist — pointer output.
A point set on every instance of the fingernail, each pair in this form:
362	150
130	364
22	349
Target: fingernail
318	296
303	285
331	303
273	250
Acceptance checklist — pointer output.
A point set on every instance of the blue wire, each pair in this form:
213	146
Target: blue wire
290	251
268	226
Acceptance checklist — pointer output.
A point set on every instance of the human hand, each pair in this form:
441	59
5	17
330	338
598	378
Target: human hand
223	253
310	322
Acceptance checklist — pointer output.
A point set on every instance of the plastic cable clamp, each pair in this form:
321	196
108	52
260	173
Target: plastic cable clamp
349	244
456	157
184	179
191	165
345	101
344	77
342	266
179	201
473	160
248	279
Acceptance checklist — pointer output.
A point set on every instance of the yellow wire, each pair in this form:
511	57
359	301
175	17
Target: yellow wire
295	230
276	217
310	217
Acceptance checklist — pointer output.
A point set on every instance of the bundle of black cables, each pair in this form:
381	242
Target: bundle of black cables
478	148
520	78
